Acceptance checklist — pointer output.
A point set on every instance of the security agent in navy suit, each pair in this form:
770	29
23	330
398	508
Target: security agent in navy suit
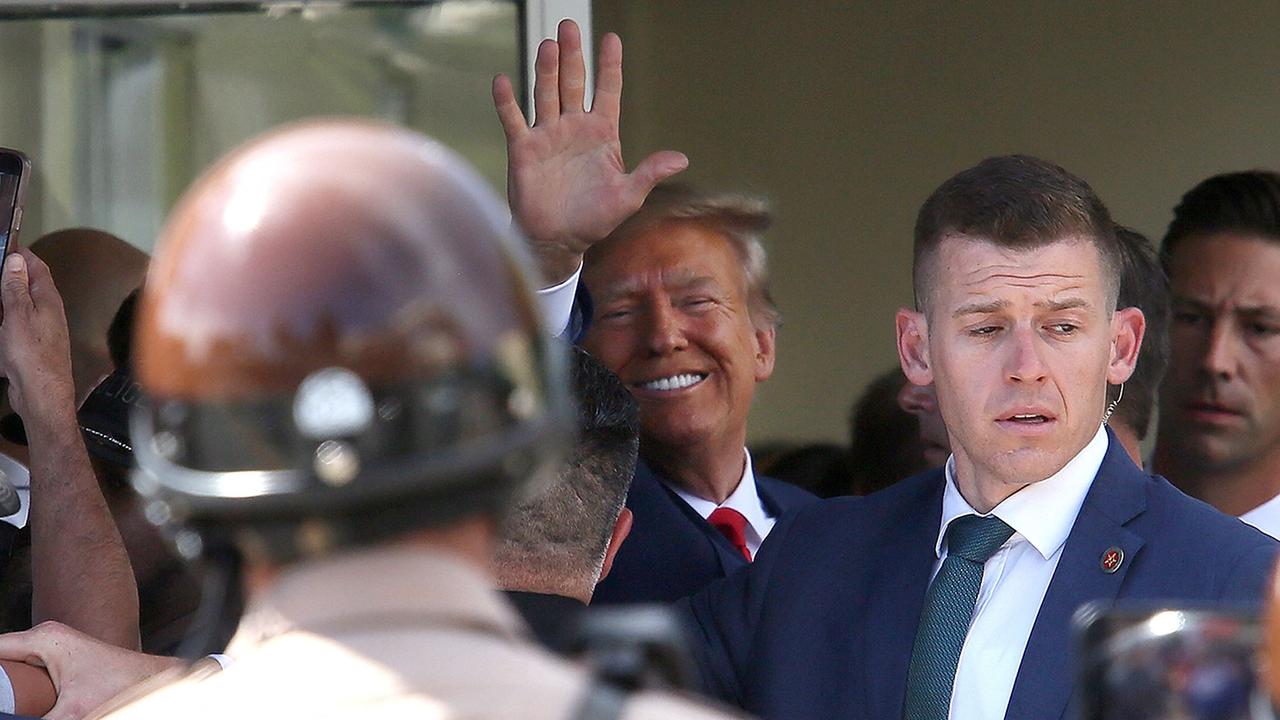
951	593
682	312
822	625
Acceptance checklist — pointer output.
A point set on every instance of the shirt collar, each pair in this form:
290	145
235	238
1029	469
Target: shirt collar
1043	512
1265	517
745	499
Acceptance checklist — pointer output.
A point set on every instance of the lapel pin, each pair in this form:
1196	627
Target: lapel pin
1111	560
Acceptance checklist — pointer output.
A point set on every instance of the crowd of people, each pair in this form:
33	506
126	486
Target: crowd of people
389	438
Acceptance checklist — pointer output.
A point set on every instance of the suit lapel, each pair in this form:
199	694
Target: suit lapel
727	555
767	499
1045	678
897	586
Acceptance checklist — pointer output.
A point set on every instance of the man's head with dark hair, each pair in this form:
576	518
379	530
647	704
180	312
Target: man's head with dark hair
561	539
820	468
1017	203
1016	274
1219	436
1143	285
1240	203
885	440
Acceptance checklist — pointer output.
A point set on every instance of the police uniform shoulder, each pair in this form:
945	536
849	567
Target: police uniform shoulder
668	706
158	698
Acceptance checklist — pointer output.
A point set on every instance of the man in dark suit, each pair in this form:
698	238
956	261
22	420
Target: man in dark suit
682	314
950	594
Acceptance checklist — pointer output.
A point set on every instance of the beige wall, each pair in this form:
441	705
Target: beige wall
848	114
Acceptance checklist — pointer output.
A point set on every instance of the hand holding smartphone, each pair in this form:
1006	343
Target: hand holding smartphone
15	174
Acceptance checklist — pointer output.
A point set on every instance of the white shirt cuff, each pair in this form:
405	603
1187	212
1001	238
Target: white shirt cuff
19	519
557	303
8	704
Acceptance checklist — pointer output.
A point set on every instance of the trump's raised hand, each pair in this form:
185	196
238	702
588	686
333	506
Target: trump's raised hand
566	180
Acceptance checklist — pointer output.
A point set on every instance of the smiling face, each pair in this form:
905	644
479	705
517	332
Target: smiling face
1220	404
1019	345
672	320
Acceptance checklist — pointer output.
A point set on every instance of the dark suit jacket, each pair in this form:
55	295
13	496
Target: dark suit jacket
554	619
822	624
672	552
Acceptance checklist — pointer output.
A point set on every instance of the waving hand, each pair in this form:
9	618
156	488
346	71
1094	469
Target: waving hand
566	180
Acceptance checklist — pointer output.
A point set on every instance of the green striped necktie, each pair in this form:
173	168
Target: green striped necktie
948	608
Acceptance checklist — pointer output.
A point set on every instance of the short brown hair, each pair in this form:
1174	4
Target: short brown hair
1239	202
741	219
1017	202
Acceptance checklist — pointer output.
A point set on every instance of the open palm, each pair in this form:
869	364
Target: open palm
566	180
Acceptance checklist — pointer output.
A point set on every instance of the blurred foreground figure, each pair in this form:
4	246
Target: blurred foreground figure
347	383
1219	437
1271	643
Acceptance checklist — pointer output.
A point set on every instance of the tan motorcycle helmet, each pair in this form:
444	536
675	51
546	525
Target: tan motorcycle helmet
337	343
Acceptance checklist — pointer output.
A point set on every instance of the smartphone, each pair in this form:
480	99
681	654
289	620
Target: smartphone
15	173
1166	662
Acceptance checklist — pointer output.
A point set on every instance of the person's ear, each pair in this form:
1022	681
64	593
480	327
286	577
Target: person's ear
766	342
621	529
913	346
1128	326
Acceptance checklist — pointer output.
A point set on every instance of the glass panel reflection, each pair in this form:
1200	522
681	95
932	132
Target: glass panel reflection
119	113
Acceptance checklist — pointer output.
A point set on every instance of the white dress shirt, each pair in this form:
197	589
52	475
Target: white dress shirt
1015	578
1265	517
17	475
745	499
556	303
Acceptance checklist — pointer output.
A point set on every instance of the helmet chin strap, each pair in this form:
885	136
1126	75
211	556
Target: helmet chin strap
1111	407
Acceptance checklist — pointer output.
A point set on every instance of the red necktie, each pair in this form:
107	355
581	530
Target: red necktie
732	525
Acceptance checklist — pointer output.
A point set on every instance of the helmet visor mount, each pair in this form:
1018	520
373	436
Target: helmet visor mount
335	435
